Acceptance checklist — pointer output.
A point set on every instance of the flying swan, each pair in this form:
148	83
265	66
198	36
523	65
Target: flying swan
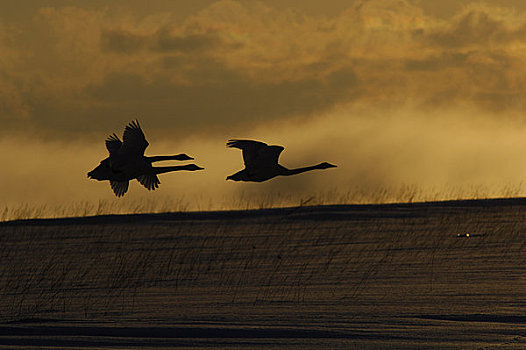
127	162
261	162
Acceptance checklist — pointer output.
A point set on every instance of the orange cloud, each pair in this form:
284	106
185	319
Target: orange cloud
251	62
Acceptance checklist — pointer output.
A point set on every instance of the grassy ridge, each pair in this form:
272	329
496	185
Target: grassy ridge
251	198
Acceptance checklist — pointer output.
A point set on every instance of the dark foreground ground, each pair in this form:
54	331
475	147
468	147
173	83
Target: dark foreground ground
364	277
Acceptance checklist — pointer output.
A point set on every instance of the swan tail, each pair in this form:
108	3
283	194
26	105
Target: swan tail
119	187
150	181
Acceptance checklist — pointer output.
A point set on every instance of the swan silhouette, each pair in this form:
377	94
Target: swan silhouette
127	162
261	162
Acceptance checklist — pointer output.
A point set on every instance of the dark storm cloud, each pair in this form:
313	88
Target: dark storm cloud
218	95
436	62
126	42
476	27
243	64
186	43
121	41
500	102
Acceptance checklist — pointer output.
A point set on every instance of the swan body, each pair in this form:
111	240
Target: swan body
127	162
261	162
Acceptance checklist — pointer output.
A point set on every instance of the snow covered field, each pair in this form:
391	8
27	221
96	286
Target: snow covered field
444	275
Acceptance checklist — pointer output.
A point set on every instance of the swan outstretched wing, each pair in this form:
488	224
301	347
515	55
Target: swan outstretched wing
150	181
113	144
251	150
271	154
119	187
134	140
257	154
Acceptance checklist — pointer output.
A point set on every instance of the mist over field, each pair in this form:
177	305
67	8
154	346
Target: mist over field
381	157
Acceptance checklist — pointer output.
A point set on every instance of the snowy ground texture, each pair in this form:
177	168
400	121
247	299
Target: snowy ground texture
401	276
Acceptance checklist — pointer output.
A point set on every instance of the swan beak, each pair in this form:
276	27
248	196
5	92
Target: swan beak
89	175
185	156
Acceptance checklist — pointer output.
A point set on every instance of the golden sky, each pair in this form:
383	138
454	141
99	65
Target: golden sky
420	93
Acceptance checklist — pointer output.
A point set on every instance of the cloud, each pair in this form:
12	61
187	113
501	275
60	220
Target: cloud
437	62
219	96
245	63
120	41
479	27
189	43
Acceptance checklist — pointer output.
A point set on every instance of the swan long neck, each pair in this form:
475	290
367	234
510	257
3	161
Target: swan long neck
167	169
295	171
161	158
